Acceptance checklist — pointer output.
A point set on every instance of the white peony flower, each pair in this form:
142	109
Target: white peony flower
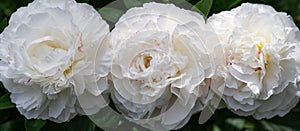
258	72
160	64
48	54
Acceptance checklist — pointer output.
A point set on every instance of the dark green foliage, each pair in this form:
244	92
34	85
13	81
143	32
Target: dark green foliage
34	124
5	102
204	6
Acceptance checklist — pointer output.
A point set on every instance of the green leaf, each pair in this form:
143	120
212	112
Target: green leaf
34	124
226	120
221	5
288	120
236	123
135	3
5	102
145	1
204	6
215	127
13	125
132	3
274	127
5	114
111	14
2	89
249	125
82	124
85	1
109	120
186	128
178	2
79	123
3	5
3	24
233	3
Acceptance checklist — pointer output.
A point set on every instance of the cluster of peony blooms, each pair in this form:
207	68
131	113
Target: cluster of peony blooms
159	65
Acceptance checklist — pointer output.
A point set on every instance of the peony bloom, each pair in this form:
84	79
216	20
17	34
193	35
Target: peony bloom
257	75
160	64
48	54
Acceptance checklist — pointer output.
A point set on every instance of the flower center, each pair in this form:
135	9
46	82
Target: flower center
48	55
153	68
147	60
68	70
235	55
260	46
46	50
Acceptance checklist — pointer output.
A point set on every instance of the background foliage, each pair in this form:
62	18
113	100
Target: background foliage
222	120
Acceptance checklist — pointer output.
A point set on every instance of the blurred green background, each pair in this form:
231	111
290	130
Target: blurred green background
222	120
